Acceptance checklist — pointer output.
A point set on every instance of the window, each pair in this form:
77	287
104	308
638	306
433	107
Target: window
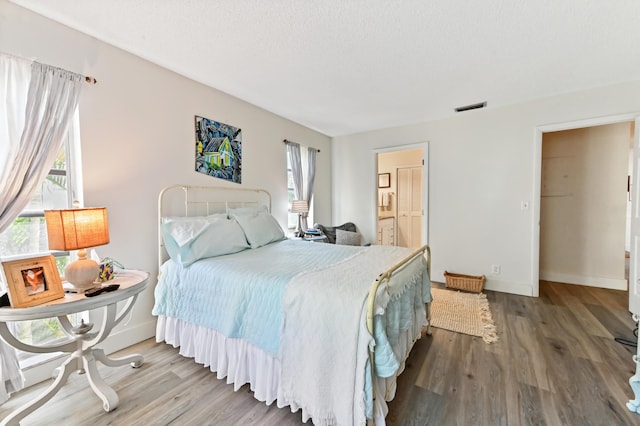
27	235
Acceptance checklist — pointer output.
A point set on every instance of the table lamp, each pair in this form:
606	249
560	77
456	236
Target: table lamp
300	207
78	229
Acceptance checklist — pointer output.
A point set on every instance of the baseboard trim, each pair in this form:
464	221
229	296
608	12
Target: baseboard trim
610	283
505	287
509	287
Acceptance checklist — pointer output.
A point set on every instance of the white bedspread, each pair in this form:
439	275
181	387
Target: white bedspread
240	295
331	389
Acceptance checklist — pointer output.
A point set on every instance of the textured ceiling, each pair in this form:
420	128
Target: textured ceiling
347	66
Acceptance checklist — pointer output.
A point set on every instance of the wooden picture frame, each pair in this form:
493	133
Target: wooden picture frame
384	180
32	281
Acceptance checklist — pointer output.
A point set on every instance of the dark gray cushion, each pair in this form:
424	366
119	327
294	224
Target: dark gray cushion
330	231
348	238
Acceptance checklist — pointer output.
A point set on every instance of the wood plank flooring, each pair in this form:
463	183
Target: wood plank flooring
556	363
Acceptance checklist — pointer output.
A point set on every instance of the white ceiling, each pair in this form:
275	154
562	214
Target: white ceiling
348	66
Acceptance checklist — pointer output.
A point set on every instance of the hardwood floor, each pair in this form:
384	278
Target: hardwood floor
556	363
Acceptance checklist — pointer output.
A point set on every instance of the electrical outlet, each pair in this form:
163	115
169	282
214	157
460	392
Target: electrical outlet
495	269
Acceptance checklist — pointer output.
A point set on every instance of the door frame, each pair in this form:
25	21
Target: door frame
537	177
425	182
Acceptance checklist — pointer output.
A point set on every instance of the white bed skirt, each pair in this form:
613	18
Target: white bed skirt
236	359
241	362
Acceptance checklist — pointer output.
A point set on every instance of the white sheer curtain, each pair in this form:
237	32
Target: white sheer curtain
296	169
36	104
302	191
51	100
311	177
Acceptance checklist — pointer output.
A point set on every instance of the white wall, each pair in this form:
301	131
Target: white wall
481	168
583	205
137	130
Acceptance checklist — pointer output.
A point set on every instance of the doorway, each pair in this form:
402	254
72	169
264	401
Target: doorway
553	184
583	205
400	198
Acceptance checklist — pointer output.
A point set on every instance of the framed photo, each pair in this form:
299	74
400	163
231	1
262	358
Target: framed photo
384	180
32	281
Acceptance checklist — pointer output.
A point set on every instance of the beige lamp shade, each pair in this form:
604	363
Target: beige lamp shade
299	206
76	229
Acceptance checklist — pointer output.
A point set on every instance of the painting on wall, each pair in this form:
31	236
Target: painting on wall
218	149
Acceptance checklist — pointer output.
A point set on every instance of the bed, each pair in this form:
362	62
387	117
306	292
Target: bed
319	328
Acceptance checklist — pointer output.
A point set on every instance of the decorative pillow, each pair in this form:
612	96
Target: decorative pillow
330	231
199	238
258	225
348	238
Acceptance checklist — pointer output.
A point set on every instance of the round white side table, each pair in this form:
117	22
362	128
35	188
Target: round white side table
81	341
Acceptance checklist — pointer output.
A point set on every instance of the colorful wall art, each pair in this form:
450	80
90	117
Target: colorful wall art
218	149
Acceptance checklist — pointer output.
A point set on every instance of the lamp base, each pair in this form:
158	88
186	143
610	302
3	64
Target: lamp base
81	275
70	288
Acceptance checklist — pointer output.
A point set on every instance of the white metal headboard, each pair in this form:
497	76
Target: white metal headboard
189	200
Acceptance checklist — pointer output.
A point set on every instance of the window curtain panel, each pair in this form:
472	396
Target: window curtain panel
302	191
51	101
311	177
296	170
37	102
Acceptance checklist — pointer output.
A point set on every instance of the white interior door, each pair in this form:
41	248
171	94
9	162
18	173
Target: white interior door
634	267
409	207
634	264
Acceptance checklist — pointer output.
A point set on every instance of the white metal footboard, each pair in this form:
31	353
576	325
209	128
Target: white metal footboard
384	278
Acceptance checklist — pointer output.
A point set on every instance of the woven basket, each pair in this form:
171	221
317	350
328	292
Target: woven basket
471	283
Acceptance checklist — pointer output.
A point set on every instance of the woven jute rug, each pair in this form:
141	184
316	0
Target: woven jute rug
466	313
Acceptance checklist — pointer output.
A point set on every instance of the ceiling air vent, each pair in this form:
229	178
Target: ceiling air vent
472	106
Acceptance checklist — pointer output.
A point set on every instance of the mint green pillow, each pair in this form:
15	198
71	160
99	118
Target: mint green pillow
189	240
259	226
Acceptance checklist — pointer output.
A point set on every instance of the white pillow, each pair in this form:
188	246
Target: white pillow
183	232
348	238
258	225
198	238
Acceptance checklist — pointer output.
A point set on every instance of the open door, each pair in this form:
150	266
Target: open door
634	264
